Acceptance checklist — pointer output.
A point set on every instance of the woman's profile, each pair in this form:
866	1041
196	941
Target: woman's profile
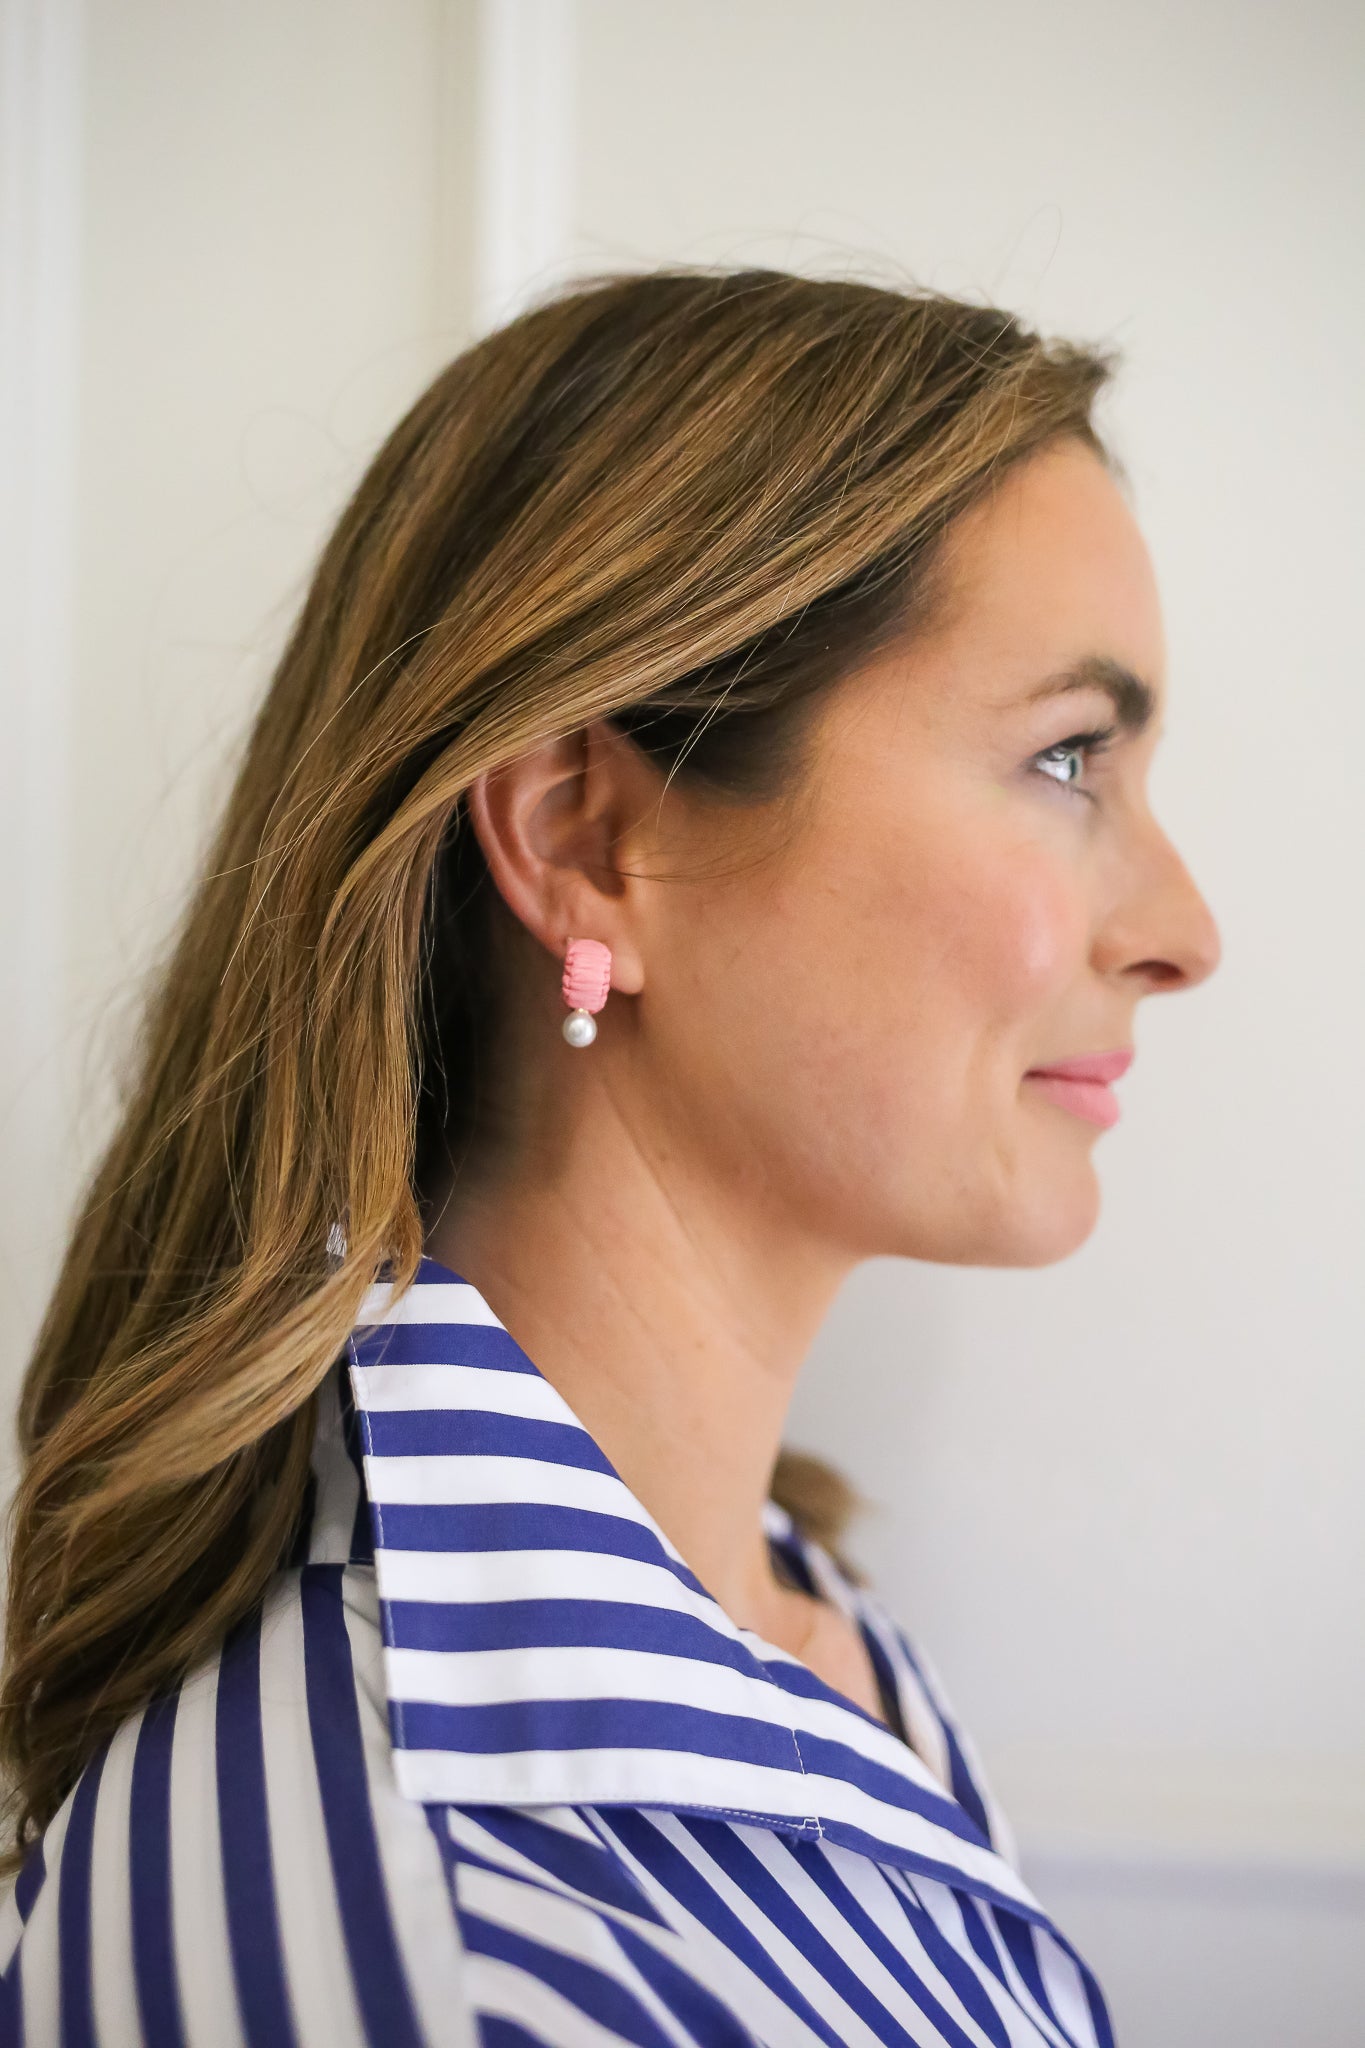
695	841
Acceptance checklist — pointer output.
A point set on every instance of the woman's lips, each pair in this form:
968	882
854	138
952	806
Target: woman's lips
1082	1084
1090	1099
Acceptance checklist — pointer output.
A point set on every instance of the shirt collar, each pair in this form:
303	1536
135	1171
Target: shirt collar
545	1643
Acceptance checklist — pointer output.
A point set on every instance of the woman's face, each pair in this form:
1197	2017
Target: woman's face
847	1024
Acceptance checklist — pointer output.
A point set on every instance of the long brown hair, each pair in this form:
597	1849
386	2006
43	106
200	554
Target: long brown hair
682	501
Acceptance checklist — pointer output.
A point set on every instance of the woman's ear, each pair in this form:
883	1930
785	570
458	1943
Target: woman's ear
562	829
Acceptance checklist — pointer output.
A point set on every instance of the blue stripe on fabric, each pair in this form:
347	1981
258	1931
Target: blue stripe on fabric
672	1870
801	1683
882	1849
963	1783
76	1993
568	1623
480	1433
595	1724
149	1874
12	2002
338	1745
500	2032
788	1548
951	1963
303	1532
27	1886
1094	1998
777	1905
244	1836
497	2031
886	1682
590	1868
705	2017
964	1786
465	1527
481	1344
362	1534
837	1760
895	1961
602	1998
351	1438
979	1935
1017	1936
29	1882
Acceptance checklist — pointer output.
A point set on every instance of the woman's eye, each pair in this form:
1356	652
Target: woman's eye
1080	743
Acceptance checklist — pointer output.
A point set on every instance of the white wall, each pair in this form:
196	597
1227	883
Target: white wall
1121	1498
257	226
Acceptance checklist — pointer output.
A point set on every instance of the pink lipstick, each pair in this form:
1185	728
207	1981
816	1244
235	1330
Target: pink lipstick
1082	1084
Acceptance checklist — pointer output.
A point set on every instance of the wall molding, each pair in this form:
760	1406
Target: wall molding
524	170
41	156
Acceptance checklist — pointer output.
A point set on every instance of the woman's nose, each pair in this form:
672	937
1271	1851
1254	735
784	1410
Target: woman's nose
1165	931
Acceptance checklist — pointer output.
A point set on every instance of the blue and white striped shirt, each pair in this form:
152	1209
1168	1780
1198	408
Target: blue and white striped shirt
491	1767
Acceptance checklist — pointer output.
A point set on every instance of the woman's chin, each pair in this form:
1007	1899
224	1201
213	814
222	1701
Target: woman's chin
1064	1215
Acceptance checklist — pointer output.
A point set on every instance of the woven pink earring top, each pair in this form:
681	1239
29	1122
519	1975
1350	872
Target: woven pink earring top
587	974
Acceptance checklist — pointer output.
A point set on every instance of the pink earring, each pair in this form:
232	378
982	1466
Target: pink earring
587	977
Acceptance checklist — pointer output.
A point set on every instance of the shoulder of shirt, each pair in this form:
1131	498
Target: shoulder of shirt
254	1803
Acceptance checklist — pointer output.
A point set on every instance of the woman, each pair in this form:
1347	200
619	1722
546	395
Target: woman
416	1634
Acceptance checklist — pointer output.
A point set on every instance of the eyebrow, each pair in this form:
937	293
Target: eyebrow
1134	701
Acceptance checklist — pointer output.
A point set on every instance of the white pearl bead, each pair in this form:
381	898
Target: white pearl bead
580	1027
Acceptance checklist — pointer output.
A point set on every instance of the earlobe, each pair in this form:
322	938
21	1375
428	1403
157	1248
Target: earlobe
547	825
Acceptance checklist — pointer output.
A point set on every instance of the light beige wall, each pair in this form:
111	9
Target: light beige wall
1121	1499
271	237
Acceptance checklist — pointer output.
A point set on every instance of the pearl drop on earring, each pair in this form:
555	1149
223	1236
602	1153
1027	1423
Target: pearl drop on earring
584	986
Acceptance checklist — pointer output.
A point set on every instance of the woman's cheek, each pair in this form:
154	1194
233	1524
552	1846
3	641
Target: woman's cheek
1024	928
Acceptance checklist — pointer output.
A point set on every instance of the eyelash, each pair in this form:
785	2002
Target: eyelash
1079	743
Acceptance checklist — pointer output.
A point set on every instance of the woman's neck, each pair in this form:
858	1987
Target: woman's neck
674	1327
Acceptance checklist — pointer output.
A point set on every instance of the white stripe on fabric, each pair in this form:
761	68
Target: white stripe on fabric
425	1925
311	1937
574	1672
680	1778
581	1672
501	1990
470	1835
11	1926
337	1482
40	1971
203	1959
430	1389
922	1723
1065	1991
478	1481
1023	1997
111	1917
605	1777
568	1926
849	2028
429	1301
1001	1833
869	1886
567	1820
840	1801
945	1910
447	1577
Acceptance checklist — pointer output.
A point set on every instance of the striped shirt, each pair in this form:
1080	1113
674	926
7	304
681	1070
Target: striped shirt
490	1767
